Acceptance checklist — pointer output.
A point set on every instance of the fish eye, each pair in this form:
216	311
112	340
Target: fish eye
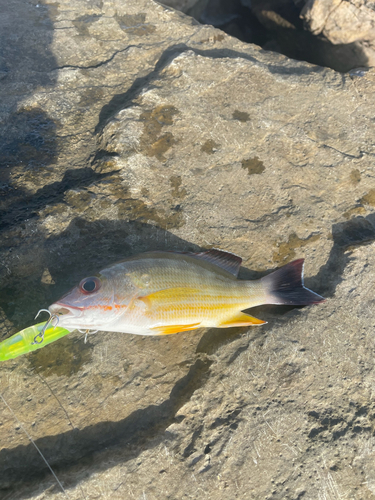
90	285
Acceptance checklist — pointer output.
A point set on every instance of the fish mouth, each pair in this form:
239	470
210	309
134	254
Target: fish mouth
64	311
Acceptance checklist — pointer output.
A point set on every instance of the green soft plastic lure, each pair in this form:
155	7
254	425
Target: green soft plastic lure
30	339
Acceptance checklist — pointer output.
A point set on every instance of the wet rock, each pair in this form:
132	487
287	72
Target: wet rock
129	127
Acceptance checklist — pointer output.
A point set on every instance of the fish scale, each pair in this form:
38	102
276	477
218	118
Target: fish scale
199	291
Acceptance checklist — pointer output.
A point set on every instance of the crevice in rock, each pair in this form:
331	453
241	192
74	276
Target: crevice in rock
101	154
347	155
279	26
190	448
99	64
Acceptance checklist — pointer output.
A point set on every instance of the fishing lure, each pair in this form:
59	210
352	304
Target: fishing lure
32	338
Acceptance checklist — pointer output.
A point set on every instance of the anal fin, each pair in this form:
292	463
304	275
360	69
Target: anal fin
169	329
241	319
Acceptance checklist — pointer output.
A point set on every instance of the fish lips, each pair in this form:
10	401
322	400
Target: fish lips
64	311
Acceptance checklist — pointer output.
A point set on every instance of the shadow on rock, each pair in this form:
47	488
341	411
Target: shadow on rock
82	249
27	134
86	247
277	26
346	235
27	206
77	447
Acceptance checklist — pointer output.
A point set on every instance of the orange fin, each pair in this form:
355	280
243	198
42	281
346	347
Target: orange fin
241	319
169	329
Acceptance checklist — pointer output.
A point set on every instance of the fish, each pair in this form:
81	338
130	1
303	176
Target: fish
161	293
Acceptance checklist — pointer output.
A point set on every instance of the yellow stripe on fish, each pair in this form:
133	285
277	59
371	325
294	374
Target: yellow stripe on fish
220	310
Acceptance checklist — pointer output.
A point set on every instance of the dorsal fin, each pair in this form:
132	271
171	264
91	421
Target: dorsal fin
225	260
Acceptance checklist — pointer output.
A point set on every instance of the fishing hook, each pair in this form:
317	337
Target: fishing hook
87	332
38	339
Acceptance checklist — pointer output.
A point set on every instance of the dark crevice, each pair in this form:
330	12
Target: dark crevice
190	448
102	154
277	26
230	418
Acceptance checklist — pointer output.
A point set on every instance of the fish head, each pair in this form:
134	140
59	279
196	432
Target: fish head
90	305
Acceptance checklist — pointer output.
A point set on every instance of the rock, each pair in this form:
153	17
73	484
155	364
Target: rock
182	5
350	22
305	41
128	127
277	25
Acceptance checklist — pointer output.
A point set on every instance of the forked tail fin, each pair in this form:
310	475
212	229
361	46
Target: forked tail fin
285	286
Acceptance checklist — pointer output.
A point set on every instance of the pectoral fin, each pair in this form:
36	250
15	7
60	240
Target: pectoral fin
241	319
169	329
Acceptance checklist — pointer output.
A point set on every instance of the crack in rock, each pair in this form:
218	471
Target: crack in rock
98	65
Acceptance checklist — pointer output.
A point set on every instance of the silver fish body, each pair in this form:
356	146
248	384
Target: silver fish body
164	292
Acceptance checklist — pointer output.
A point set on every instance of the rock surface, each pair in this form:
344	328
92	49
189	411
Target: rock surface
125	127
182	5
343	22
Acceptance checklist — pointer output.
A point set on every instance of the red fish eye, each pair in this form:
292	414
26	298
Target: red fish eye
89	285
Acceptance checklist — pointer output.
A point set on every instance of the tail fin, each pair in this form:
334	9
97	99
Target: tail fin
285	286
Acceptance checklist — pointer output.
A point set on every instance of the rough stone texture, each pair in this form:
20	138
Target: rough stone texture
182	5
126	126
343	22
